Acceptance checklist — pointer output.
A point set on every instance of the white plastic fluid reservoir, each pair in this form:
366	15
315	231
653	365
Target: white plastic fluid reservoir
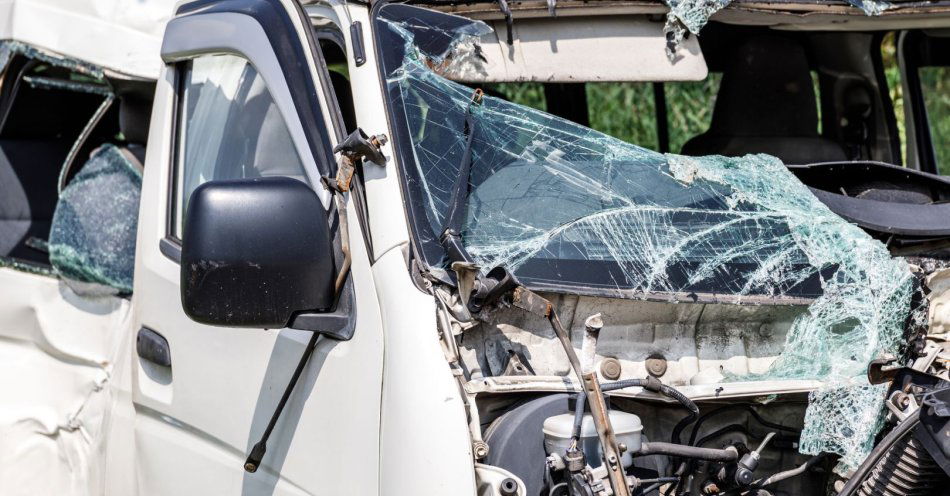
627	429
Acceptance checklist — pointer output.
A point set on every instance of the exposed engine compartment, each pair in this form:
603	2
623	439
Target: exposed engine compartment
520	442
657	363
510	356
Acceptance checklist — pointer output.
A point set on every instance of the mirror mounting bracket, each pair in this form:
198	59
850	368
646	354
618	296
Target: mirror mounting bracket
331	324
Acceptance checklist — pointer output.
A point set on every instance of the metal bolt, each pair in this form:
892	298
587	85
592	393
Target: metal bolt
622	447
610	368
480	449
656	366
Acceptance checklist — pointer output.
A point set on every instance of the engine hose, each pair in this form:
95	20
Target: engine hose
650	384
654	484
683	451
898	465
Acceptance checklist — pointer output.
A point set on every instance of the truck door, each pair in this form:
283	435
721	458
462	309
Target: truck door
240	97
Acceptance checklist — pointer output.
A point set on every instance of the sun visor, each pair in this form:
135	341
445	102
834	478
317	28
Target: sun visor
572	49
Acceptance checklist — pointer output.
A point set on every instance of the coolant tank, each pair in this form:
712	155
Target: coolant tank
627	428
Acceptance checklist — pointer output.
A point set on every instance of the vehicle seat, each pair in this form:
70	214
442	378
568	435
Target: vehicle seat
134	118
28	171
258	143
767	104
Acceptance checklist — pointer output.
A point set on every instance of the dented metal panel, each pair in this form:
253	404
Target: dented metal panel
58	353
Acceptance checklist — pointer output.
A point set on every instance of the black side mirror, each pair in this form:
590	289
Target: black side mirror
256	253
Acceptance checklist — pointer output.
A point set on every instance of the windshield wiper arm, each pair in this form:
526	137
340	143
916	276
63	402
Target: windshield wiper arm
476	289
451	237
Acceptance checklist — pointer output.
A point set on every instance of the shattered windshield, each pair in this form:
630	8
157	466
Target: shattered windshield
563	205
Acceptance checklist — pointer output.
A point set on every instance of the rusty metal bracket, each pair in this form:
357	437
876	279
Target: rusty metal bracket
531	302
354	148
598	408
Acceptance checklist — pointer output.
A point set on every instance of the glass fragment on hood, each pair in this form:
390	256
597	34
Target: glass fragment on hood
564	206
844	420
92	238
871	7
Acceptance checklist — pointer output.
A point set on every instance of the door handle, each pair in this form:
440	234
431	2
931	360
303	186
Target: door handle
153	347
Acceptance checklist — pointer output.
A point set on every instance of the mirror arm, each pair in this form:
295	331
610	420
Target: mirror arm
329	324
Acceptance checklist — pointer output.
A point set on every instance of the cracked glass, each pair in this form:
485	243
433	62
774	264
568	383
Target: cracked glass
92	239
569	208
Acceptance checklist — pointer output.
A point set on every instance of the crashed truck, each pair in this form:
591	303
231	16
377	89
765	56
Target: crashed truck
272	247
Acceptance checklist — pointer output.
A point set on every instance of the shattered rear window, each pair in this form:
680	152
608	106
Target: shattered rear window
568	208
92	239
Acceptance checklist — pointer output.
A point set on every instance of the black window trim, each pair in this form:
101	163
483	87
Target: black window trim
170	245
916	56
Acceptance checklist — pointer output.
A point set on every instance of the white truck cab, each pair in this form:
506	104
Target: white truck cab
397	248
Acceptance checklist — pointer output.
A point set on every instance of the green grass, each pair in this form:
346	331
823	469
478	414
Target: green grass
628	111
936	85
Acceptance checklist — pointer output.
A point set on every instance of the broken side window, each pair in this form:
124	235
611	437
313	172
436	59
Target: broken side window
571	209
46	103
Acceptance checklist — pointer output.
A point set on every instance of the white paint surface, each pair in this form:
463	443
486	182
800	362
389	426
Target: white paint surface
58	352
121	35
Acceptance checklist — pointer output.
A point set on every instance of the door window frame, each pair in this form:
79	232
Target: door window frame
275	54
915	53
